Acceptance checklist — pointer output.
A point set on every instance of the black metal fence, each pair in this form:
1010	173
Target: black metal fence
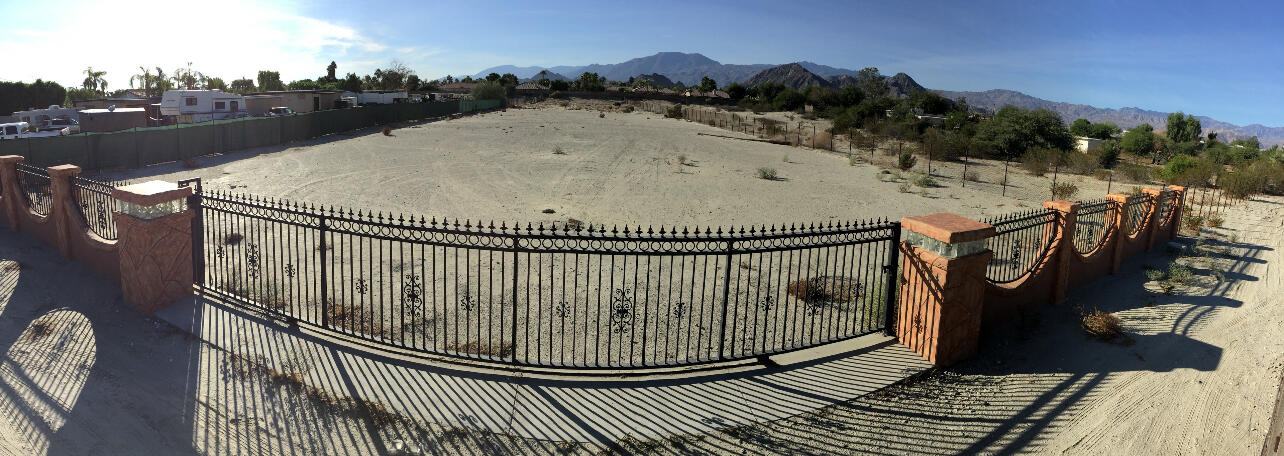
36	186
97	206
1093	225
551	296
1020	242
1137	208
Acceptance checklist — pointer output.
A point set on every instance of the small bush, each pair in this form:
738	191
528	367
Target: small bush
1102	174
601	115
1215	221
1035	162
806	290
923	180
1079	163
972	176
563	103
387	131
823	140
767	173
557	150
628	109
906	161
682	159
1103	326
1179	274
1133	173
1192	222
233	238
674	112
904	187
1154	275
574	224
852	160
784	159
1064	190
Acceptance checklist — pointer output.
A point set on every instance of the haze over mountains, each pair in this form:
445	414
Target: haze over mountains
689	68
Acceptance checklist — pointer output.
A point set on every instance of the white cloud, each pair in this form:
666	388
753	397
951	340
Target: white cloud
238	40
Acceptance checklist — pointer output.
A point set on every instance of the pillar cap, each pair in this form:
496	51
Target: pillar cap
63	170
150	193
948	227
1151	191
10	158
1062	206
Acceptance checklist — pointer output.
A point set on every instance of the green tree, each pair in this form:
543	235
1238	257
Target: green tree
215	84
1108	154
871	83
1183	127
329	72
1013	131
1103	130
269	81
1138	141
303	84
492	77
590	82
94	81
243	85
707	84
18	96
850	95
931	102
1081	127
488	90
351	83
789	100
736	91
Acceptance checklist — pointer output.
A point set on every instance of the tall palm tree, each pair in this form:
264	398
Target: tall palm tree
162	82
94	80
144	77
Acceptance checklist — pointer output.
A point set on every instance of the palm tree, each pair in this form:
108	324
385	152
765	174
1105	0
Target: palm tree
162	82
94	80
144	77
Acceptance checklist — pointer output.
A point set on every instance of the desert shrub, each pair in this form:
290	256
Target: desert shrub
1179	274
628	109
564	103
1103	326
1102	174
233	238
823	140
1064	190
682	159
904	187
972	176
852	160
923	180
906	161
674	112
1133	173
387	131
767	173
1036	162
1192	222
1078	163
488	90
806	290
1154	275
784	159
557	150
1215	221
601	115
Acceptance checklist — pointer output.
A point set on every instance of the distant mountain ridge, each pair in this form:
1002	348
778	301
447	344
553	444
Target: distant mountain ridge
688	68
993	100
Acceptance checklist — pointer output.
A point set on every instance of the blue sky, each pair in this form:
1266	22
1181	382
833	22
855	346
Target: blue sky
1224	60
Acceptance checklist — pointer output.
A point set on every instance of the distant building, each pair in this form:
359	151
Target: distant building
151	105
457	87
46	118
1084	144
194	106
112	119
258	103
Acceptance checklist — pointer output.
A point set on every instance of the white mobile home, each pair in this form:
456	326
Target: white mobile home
192	106
378	96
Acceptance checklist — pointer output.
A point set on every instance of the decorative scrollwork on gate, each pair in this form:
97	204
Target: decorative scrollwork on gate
621	310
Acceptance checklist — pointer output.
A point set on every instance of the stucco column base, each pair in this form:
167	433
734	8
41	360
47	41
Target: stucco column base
155	259
942	291
1122	226
1068	221
12	191
63	202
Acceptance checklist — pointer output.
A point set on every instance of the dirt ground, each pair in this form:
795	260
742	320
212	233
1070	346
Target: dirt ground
619	169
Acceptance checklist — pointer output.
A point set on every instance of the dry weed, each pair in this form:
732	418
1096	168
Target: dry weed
1104	326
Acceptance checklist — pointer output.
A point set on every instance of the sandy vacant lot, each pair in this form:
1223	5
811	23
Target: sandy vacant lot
621	169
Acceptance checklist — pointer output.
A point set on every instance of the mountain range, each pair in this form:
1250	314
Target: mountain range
689	68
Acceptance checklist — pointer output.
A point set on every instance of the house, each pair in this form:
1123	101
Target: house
193	106
257	103
1085	144
457	87
530	88
149	104
112	119
365	97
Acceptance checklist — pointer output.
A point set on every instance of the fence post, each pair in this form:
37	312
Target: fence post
1005	177
60	189
964	169
726	297
1122	222
1067	219
155	244
892	276
9	182
1179	207
942	286
198	230
1152	215
516	246
325	277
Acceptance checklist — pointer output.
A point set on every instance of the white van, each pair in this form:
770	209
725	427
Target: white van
192	106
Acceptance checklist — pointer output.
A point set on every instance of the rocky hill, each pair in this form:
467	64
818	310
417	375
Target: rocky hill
792	75
657	80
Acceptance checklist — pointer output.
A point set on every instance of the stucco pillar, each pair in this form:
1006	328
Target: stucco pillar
1068	213
943	286
13	200
1152	216
1179	200
61	194
154	227
1122	225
